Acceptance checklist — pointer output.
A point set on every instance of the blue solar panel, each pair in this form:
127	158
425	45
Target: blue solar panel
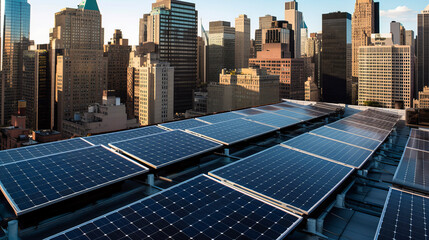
405	216
163	149
360	129
349	138
380	115
296	115
302	109
222	117
333	150
105	139
200	208
18	154
38	182
274	120
268	108
418	144
249	112
287	177
371	122
184	124
413	171
233	131
419	134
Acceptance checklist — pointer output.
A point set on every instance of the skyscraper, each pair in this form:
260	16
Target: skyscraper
15	41
242	41
294	17
398	33
81	68
423	49
336	79
172	25
304	38
264	23
143	29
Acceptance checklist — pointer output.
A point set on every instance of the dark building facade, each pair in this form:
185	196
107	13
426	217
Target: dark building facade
264	23
423	50
336	58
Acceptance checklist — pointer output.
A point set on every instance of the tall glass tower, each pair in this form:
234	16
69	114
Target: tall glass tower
16	37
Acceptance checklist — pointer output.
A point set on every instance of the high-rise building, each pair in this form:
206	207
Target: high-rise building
78	58
200	60
314	48
221	53
37	87
143	29
304	38
242	41
172	25
410	40
16	37
294	17
117	52
423	49
336	79
398	33
385	76
264	23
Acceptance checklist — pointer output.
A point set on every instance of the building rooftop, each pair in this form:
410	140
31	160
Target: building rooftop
283	171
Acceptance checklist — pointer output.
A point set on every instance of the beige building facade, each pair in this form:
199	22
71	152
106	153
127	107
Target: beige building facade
242	41
423	101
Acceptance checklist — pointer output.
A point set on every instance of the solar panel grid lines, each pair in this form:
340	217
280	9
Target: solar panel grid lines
249	112
359	129
405	216
221	117
164	149
105	139
200	208
307	112
419	134
333	139
183	124
270	108
372	117
365	125
379	115
307	107
347	137
273	120
295	115
39	182
418	144
371	122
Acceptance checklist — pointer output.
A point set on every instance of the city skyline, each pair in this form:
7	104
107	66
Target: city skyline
125	14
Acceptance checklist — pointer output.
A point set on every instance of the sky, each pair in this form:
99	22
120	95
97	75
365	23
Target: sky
125	14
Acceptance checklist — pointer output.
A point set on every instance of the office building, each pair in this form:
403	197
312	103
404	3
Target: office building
172	25
201	50
117	52
423	49
314	48
311	90
16	36
410	40
304	38
81	67
143	29
221	52
386	76
264	23
242	41
422	101
244	88
37	87
398	33
336	81
294	17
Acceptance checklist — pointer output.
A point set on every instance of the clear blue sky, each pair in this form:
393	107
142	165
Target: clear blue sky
125	14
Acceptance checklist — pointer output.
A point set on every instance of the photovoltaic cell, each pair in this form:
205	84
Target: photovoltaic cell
418	144
249	112
197	209
287	113
18	154
309	112
380	115
233	131
307	107
222	117
348	138
413	170
184	124
339	152
405	216
419	134
360	130
31	184
372	122
105	139
274	120
286	177
163	149
268	108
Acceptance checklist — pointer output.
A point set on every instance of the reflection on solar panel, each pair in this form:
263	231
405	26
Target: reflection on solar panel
268	108
380	115
413	171
198	209
420	134
333	150
184	124
32	184
105	139
274	120
360	130
309	112
296	115
371	122
233	131
18	154
418	144
348	138
222	117
404	217
249	112
286	177
163	149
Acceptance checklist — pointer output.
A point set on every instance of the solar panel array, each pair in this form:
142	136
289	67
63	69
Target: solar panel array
197	209
419	134
163	149
222	117
105	139
274	120
184	124
34	183
347	138
249	112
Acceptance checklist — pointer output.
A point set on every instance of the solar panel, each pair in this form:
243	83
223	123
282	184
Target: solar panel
18	154
289	178
360	130
249	112
418	144
404	217
330	149
379	115
222	117
413	170
184	124
306	111
307	107
233	131
274	120
299	116
164	149
105	139
268	108
349	138
419	134
371	122
32	184
200	208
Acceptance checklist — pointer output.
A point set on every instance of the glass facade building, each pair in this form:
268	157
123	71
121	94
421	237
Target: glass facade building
423	50
15	41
